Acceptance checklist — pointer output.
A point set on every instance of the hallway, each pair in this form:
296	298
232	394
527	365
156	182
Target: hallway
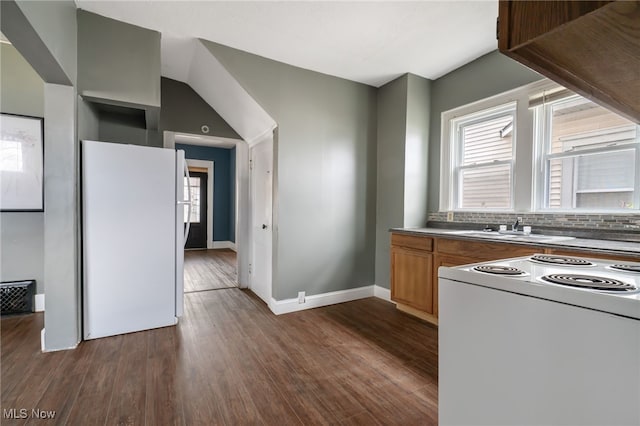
209	270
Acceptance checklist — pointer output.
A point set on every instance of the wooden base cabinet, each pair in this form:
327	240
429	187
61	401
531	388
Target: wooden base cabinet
415	261
411	275
411	272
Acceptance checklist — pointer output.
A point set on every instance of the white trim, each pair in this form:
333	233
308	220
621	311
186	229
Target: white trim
42	346
243	207
39	302
522	147
268	133
224	245
286	306
169	140
206	140
209	165
242	203
382	293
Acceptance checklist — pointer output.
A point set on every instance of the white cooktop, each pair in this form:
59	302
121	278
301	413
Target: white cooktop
531	284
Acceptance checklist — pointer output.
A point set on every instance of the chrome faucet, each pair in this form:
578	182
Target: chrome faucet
514	227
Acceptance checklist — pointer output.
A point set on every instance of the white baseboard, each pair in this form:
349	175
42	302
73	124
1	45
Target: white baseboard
223	245
317	300
39	302
382	293
42	347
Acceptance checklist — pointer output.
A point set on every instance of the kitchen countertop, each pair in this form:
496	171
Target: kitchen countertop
593	245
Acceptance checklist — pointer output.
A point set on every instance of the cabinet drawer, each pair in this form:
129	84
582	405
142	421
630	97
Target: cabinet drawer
412	241
578	253
482	251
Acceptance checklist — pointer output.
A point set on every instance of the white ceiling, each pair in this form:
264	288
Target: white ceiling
368	42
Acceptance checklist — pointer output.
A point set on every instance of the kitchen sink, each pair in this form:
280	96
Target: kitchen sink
512	236
485	234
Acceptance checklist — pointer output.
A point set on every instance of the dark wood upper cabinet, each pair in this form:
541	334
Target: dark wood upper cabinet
590	47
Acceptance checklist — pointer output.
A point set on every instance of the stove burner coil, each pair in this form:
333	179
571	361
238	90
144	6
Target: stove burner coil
627	268
560	260
590	282
499	270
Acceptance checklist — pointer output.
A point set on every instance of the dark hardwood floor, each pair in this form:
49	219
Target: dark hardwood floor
209	270
230	361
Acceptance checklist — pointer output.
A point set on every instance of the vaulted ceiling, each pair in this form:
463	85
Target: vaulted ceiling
368	42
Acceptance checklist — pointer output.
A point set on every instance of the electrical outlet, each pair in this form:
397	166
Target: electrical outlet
520	219
449	216
301	295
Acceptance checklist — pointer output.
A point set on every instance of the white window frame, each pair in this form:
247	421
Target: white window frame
529	177
522	183
542	155
456	146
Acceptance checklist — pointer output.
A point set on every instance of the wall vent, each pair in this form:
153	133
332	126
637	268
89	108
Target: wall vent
16	297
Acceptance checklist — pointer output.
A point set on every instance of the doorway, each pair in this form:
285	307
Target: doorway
197	184
211	269
210	260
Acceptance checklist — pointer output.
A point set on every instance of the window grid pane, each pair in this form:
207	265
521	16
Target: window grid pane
484	173
603	180
195	199
483	143
486	187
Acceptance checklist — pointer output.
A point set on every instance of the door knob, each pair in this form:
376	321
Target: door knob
264	226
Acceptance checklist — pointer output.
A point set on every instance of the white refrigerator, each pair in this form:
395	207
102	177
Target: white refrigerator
133	235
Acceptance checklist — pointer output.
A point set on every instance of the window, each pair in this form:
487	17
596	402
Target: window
483	171
589	157
539	148
195	199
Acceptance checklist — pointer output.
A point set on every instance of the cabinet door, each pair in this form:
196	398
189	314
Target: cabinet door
411	275
589	47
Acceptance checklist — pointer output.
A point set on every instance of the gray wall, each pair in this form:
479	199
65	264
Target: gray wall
326	161
403	131
416	151
122	128
184	111
119	70
21	234
61	220
45	34
118	61
487	76
55	23
22	88
392	118
88	121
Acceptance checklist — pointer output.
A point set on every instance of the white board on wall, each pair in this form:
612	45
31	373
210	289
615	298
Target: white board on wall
21	163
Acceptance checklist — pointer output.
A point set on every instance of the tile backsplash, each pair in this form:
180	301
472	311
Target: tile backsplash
613	222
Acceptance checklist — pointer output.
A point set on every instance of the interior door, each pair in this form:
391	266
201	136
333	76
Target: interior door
197	238
261	219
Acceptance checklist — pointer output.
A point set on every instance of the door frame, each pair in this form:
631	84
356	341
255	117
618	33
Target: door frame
268	138
209	165
243	201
